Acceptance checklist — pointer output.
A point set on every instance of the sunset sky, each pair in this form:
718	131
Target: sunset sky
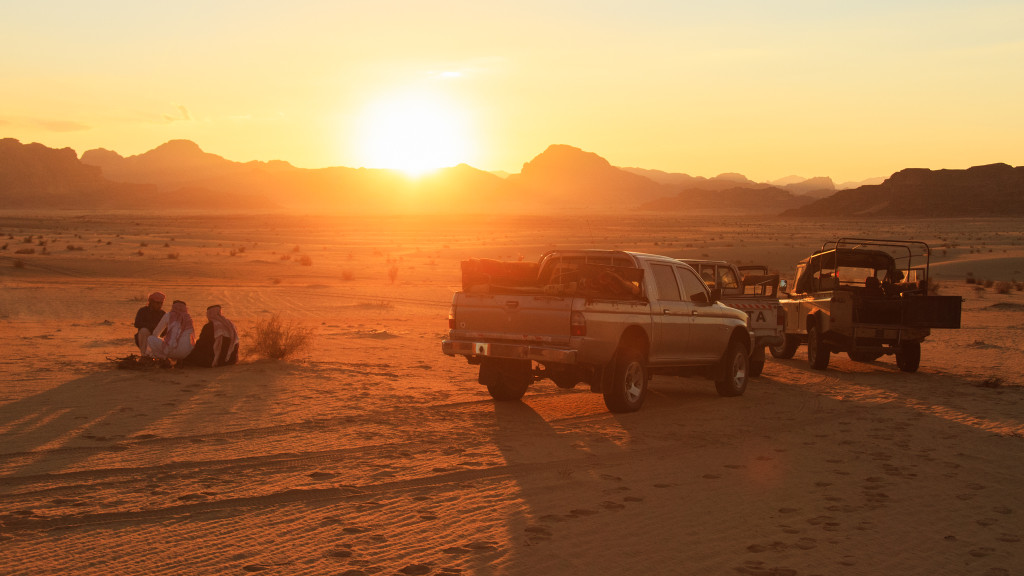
851	90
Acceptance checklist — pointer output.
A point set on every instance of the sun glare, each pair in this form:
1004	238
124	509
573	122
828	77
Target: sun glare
414	133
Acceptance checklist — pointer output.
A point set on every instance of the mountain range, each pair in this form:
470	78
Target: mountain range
179	175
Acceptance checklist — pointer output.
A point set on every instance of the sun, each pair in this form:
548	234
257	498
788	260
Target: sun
414	133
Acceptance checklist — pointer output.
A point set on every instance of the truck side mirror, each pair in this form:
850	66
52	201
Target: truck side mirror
783	286
716	294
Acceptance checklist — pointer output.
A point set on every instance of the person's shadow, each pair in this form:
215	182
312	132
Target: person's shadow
53	431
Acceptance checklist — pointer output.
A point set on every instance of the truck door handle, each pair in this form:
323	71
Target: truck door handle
694	313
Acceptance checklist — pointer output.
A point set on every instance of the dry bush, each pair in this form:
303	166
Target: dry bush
393	274
1004	287
348	275
172	255
305	260
279	340
19	264
25	251
970	278
990	283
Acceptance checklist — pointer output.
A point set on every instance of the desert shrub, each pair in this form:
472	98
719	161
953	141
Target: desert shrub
1004	287
305	260
143	244
19	263
393	274
140	253
4	247
279	340
990	283
348	275
970	278
286	257
172	255
25	251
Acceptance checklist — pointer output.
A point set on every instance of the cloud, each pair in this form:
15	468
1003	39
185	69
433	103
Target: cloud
183	115
62	125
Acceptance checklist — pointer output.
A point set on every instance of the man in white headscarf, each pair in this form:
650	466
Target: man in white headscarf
218	341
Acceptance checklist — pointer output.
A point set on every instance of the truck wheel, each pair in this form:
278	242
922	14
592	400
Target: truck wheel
817	350
908	356
756	365
787	349
628	389
506	379
732	374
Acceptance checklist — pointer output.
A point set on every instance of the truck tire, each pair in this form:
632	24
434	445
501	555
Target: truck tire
506	379
817	350
787	349
733	371
628	388
756	362
908	356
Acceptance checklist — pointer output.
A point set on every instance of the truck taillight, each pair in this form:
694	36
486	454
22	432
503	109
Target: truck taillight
577	324
451	318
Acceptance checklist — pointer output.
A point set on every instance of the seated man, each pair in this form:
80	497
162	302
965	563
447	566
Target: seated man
873	288
146	320
217	344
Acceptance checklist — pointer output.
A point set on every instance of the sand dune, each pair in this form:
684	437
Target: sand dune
372	453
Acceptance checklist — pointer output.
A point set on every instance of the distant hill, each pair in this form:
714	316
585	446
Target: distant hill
180	175
34	176
567	176
992	190
737	200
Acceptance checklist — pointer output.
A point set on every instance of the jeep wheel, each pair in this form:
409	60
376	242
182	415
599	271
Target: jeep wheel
817	350
908	356
787	349
506	379
628	389
733	371
756	365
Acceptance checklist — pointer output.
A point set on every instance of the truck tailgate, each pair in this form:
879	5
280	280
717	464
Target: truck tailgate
513	317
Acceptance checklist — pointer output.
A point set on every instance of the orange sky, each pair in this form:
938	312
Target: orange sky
851	90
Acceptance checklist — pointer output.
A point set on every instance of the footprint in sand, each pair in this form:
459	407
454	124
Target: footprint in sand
339	553
577	512
760	569
609	505
535	534
981	552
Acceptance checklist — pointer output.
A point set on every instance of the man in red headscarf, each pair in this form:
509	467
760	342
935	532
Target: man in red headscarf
146	320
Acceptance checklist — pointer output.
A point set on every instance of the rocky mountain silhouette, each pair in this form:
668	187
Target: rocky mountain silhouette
991	190
736	200
180	175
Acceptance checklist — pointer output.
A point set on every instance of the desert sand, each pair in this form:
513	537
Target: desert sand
373	453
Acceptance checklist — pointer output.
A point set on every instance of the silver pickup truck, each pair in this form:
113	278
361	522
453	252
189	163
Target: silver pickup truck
607	318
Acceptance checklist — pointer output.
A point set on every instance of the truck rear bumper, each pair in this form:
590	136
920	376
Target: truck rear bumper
515	351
